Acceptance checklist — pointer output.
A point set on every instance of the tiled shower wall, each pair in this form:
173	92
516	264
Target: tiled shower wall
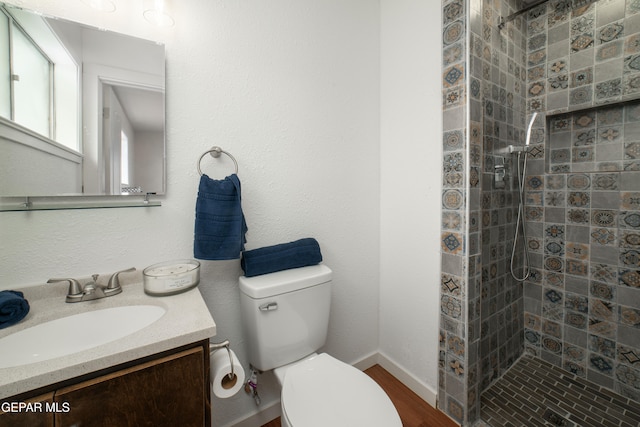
582	304
484	103
580	313
501	104
453	375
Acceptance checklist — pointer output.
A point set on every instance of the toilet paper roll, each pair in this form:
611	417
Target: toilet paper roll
222	384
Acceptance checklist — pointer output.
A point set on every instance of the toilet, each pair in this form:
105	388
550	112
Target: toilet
285	317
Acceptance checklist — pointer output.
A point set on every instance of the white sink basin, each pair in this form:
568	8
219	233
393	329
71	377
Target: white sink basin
72	334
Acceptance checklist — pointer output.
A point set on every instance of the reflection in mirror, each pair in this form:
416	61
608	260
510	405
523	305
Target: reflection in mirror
81	109
132	112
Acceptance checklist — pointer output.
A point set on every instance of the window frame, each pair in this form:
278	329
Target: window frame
14	25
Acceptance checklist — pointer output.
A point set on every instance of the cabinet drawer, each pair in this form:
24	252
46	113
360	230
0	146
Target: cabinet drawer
37	414
169	391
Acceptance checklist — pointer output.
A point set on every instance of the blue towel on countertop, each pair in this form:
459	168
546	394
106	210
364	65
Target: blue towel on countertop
220	227
285	256
13	308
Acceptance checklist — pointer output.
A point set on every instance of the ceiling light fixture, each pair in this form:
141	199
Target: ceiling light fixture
155	12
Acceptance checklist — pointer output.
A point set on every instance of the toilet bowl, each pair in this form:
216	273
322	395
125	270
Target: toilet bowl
322	391
285	316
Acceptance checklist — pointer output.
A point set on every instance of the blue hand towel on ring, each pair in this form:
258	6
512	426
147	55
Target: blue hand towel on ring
285	256
220	227
13	308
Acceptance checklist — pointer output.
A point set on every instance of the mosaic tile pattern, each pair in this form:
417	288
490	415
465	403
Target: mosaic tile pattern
592	265
502	58
580	308
600	139
481	310
532	390
453	366
585	233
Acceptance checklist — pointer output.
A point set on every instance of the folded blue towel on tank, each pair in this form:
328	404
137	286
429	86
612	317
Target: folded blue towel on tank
280	257
13	308
220	227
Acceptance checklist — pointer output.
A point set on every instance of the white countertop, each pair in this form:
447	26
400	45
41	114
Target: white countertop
187	320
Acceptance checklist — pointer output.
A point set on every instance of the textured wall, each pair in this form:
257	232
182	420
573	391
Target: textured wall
410	188
291	90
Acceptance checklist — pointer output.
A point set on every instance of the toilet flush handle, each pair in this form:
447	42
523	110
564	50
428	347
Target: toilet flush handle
270	306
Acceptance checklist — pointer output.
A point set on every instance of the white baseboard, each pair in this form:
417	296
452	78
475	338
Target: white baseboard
267	413
367	361
425	392
272	411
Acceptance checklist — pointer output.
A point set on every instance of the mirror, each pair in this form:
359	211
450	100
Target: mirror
100	128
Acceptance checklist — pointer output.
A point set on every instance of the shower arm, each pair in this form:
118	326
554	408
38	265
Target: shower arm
574	3
503	21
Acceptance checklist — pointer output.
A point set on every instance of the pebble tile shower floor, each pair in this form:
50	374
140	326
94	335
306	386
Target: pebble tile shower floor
535	393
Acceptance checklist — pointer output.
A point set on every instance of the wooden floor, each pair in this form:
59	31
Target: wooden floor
413	411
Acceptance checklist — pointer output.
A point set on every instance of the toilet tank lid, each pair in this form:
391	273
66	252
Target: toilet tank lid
280	282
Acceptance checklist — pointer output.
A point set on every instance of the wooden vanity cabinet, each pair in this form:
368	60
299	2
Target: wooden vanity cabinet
169	390
166	392
32	416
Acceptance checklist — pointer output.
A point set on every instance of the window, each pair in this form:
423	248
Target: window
31	84
26	73
5	71
39	80
124	159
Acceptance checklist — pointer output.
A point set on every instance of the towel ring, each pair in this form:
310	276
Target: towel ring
215	152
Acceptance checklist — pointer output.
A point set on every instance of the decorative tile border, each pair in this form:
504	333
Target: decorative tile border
453	369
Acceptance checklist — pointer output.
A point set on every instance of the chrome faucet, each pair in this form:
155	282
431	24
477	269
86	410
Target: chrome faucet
93	290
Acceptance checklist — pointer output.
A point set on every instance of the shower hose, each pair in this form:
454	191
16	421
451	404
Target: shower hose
526	271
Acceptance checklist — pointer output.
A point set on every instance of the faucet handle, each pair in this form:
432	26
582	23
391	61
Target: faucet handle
114	282
74	286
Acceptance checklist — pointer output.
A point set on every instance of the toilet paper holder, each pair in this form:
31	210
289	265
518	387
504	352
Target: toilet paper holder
213	347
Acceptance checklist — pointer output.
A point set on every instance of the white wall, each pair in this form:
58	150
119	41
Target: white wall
148	146
34	165
411	161
332	110
291	89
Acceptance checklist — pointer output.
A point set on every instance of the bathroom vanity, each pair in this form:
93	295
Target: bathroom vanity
156	376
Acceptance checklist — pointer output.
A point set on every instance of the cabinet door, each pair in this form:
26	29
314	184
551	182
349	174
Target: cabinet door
36	414
165	392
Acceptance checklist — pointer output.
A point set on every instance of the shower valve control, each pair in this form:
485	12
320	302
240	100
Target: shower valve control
499	173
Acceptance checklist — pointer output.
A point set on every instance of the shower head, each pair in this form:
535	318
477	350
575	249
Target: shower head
533	119
524	148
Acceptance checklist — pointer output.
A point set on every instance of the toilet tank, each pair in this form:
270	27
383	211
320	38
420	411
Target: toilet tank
285	314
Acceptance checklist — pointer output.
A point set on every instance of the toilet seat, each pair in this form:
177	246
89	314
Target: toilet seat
323	391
